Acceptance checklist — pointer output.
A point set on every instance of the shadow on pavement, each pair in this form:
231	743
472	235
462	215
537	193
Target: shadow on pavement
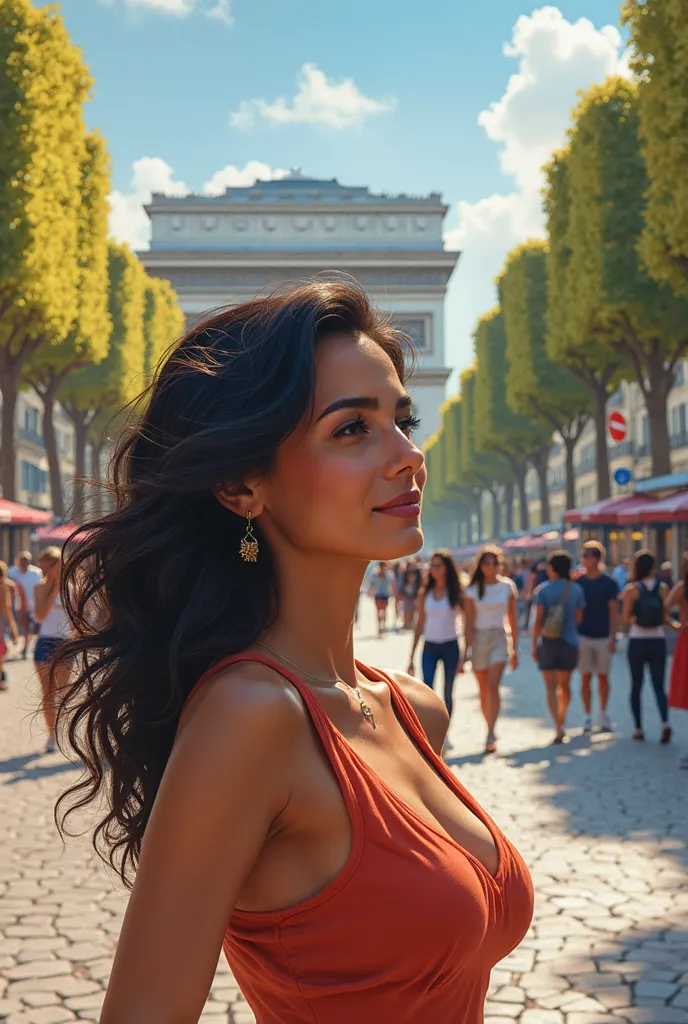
26	767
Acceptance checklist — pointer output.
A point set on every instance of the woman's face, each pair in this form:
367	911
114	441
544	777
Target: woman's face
348	481
490	566
438	571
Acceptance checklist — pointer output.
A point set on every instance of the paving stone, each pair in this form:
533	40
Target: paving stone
655	989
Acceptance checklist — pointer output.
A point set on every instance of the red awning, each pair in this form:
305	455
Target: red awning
669	510
609	511
21	515
55	534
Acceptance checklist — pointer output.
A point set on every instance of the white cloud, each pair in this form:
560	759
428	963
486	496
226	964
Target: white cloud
220	10
319	100
556	58
128	219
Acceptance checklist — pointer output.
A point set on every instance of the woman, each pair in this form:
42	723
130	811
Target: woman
54	626
410	587
383	585
8	591
439	604
269	793
644	612
560	603
678	683
491	603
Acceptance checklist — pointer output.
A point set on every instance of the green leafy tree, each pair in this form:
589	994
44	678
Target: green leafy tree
644	322
448	506
498	429
88	340
659	56
105	390
163	322
484	470
536	386
43	84
589	357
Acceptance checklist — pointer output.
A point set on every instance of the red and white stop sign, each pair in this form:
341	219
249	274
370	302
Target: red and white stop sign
618	427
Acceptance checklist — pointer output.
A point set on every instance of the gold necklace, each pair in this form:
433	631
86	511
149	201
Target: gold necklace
366	709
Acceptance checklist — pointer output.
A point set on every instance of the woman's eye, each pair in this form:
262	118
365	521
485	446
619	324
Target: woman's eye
352	429
408	424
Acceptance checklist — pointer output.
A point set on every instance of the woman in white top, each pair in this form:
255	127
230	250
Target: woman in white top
54	627
490	603
644	611
439	604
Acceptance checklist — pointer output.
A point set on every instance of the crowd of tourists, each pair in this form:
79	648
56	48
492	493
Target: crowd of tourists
576	615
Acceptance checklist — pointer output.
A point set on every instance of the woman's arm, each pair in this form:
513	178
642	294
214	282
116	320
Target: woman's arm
469	612
418	631
674	597
512	618
664	591
227	781
537	628
629	599
43	597
6	611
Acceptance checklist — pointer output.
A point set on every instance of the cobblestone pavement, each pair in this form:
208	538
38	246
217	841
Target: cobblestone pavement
602	822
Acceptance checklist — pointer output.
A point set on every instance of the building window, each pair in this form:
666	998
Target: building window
418	329
34	479
680	374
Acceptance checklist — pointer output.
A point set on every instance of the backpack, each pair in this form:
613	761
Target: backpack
649	607
553	626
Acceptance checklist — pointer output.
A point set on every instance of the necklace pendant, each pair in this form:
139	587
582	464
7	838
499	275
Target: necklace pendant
367	712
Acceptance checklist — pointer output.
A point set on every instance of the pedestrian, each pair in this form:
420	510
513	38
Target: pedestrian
646	616
410	587
383	586
490	606
53	629
666	574
266	793
597	632
560	603
439	606
8	624
678	682
27	575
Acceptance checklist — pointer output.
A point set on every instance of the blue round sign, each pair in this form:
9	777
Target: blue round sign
622	477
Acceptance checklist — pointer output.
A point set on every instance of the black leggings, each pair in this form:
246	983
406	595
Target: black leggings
651	652
449	654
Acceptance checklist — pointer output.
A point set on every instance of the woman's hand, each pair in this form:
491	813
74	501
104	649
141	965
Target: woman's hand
514	661
411	668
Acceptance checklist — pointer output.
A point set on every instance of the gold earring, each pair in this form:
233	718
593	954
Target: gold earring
248	549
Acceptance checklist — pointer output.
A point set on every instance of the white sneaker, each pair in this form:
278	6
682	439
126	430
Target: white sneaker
606	724
587	723
51	746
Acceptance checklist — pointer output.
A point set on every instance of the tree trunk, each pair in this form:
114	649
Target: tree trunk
509	507
47	395
96	454
541	461
496	514
9	385
570	445
656	393
519	469
479	515
80	420
600	394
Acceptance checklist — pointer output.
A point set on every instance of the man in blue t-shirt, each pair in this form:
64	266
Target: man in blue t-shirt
597	632
559	604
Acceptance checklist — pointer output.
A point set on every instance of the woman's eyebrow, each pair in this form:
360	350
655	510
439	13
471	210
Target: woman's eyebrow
361	402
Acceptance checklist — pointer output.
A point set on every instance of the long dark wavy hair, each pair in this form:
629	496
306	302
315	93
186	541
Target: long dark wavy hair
478	576
452	578
156	590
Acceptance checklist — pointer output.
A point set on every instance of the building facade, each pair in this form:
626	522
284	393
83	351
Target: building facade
633	453
219	250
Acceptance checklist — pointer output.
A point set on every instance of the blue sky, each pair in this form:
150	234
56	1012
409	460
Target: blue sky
463	98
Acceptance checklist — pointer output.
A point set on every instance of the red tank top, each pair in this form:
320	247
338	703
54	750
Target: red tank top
408	931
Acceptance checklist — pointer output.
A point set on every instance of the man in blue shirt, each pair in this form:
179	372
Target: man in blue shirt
597	632
559	610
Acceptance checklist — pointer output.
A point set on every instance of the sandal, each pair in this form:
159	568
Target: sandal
639	734
561	737
491	745
667	733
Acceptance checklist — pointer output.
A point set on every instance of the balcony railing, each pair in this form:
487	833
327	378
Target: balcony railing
642	450
586	464
556	486
621	448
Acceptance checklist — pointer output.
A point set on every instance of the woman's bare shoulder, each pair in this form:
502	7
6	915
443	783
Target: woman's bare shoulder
429	708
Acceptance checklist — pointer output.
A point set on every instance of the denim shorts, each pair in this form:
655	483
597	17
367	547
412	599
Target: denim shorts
45	648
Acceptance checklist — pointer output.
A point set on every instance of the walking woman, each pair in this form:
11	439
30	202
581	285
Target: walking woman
491	605
383	586
54	627
8	590
265	791
644	611
439	604
678	682
410	588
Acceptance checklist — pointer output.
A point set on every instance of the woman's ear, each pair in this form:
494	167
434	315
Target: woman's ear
240	498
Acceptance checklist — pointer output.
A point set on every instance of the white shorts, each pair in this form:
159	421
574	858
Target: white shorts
489	648
594	655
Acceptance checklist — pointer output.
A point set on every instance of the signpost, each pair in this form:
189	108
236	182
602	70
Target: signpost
622	477
618	427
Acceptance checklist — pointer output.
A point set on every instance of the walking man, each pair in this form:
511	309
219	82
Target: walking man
597	632
27	576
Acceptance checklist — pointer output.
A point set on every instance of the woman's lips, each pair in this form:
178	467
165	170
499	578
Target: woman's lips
410	511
